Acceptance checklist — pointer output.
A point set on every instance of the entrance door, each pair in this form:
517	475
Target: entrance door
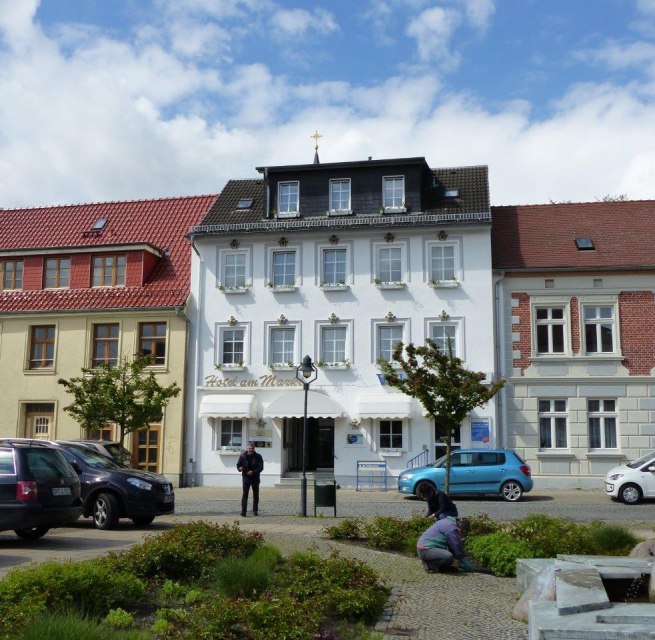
320	443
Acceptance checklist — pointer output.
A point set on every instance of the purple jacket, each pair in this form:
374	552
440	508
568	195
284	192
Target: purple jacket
443	534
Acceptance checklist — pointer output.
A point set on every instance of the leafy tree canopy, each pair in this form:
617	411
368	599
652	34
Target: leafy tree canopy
126	395
440	382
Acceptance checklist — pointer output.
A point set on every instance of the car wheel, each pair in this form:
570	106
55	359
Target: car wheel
630	494
33	533
142	521
105	511
511	491
423	484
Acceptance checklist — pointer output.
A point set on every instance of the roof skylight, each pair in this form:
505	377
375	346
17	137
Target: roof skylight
244	203
584	244
99	224
451	193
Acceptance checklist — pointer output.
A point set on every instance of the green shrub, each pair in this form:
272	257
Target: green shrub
386	532
499	552
183	553
348	589
241	577
171	592
347	529
89	586
482	524
609	539
548	536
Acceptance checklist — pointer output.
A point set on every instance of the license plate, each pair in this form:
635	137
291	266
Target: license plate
169	498
61	491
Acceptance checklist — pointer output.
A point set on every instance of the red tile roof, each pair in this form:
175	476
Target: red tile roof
535	237
162	223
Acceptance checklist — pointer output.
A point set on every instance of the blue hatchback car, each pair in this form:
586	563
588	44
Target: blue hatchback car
473	471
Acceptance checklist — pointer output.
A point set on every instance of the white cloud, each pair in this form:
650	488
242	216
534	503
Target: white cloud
432	29
300	22
479	12
647	6
624	56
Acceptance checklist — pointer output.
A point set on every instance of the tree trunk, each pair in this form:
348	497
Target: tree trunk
449	439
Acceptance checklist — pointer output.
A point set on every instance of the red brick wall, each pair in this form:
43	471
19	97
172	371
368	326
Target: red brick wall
33	272
637	317
575	326
524	343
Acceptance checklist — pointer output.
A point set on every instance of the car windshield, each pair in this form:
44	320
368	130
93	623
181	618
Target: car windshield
643	460
93	458
440	462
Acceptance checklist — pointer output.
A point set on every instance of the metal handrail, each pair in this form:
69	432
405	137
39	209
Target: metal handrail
419	460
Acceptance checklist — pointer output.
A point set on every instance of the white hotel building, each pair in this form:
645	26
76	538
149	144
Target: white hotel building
339	261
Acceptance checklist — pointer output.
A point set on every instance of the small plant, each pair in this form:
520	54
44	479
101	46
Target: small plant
119	619
377	281
347	529
242	577
171	592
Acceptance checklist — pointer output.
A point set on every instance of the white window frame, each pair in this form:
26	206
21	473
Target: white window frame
290	212
552	416
458	275
319	327
223	255
340	211
269	327
393	206
320	267
550	322
219	330
603	415
404	266
550	301
375	327
272	251
614	321
217	434
457	324
405	431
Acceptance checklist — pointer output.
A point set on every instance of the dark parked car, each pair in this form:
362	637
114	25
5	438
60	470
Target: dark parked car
111	491
475	471
112	450
39	489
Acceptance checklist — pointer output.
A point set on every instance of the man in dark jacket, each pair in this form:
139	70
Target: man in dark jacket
250	464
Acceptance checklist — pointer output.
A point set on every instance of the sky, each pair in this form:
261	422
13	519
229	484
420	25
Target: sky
104	100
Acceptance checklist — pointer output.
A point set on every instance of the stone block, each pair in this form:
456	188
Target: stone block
580	589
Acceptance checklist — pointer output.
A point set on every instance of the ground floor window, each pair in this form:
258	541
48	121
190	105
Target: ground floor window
552	424
391	434
146	448
227	433
602	424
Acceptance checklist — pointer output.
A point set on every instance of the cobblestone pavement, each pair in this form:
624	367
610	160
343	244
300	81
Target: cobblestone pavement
423	606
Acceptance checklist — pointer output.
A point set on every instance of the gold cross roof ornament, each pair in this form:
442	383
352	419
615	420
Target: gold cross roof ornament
316	135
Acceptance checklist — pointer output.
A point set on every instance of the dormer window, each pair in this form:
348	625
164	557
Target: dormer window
288	199
11	274
109	271
393	193
340	196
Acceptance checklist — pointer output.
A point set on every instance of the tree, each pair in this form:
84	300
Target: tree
126	395
439	381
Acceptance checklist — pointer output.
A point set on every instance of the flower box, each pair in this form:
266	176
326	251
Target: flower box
390	285
230	367
333	365
334	287
243	289
283	288
443	284
281	367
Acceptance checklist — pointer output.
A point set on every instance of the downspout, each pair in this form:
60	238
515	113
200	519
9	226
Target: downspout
501	352
195	327
180	312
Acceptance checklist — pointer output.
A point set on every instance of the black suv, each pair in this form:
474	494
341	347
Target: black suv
39	489
111	491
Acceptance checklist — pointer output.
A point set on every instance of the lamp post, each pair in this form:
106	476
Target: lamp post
306	373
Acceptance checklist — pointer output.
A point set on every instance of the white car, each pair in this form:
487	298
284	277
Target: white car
632	482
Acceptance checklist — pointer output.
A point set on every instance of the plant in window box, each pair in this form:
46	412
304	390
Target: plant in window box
282	366
341	284
443	283
240	288
394	284
282	287
339	364
231	366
